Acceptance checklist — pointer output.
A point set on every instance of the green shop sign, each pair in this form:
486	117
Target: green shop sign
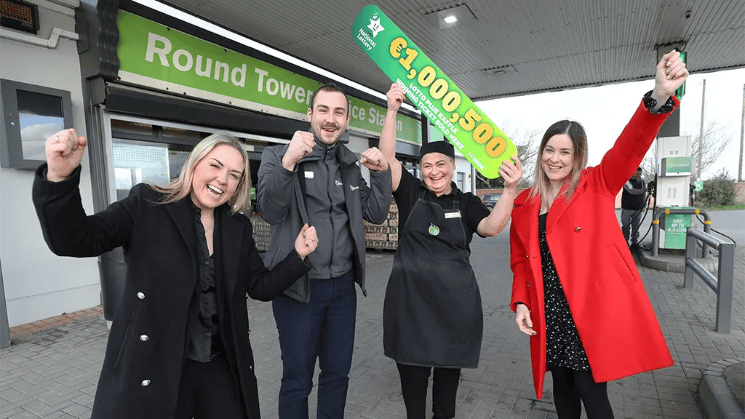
676	166
155	55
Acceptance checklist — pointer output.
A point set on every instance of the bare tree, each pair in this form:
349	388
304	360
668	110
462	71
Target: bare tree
715	141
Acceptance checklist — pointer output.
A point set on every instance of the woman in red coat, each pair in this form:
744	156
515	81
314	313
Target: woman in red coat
576	290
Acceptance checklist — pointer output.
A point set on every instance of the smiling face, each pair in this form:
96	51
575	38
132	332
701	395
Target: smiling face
216	177
328	117
437	172
557	158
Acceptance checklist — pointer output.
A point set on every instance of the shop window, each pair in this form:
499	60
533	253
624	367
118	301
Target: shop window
138	161
30	114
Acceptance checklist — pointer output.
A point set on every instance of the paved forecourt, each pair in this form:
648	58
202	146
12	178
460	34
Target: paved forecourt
52	373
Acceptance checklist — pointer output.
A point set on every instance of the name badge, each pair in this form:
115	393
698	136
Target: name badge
452	214
309	175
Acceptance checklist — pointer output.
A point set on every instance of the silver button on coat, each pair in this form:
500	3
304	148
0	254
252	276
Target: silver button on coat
141	296
145	383
144	338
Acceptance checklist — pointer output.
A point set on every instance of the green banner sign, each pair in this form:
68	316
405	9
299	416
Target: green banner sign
476	137
155	55
676	165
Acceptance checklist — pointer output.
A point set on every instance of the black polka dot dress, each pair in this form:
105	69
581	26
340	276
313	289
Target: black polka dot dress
563	346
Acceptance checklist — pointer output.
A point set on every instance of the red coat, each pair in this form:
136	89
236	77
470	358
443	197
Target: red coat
609	304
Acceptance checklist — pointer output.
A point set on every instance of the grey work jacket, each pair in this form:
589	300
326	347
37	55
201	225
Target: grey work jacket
280	203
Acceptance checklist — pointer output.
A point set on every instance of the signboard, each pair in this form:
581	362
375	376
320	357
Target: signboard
155	55
470	131
675	230
698	186
676	166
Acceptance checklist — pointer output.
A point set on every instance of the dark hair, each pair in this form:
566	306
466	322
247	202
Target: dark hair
576	133
639	168
330	87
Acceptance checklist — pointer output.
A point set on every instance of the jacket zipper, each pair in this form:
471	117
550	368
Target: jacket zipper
331	210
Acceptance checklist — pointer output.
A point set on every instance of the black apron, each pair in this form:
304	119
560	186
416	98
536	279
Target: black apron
432	313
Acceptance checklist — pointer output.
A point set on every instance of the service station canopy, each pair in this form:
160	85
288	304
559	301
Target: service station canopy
500	48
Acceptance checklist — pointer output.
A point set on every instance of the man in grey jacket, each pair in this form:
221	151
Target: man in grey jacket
315	179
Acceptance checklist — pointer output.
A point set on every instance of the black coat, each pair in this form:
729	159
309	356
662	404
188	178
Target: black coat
148	338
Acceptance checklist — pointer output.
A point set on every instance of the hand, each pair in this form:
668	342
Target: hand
306	241
64	152
523	320
511	172
671	73
301	145
373	159
395	96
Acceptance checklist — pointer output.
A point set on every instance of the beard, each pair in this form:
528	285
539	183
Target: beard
329	138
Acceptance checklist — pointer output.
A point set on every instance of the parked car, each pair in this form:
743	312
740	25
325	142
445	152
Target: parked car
490	199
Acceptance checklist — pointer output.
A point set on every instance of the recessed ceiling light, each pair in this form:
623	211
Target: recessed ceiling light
450	19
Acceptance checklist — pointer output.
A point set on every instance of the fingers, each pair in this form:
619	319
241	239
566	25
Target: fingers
674	66
302	142
671	67
518	163
309	233
373	159
523	321
307	241
395	96
64	143
311	239
511	172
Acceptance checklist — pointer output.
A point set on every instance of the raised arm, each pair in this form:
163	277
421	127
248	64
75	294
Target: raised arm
500	215
620	162
67	229
387	144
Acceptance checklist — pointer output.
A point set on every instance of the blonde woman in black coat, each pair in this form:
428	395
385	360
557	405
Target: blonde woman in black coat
178	346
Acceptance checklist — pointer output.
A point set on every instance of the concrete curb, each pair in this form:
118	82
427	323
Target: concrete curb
672	262
717	397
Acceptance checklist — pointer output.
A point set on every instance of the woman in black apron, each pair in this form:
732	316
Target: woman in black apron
432	315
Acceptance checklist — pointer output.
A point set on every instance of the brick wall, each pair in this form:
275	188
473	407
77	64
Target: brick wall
740	189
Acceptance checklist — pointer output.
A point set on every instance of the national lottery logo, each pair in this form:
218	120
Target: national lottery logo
365	37
375	25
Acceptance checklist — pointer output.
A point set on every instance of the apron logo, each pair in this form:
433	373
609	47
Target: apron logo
353	188
433	229
337	183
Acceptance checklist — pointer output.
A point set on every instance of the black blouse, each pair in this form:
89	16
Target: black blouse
205	341
563	345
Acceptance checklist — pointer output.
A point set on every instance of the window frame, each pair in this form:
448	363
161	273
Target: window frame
11	146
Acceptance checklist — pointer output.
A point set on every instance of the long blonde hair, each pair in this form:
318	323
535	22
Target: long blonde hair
542	187
179	188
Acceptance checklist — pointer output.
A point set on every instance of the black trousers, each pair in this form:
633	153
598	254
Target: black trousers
414	382
574	388
208	390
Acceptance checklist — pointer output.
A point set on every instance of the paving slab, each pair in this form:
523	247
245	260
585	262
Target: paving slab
52	372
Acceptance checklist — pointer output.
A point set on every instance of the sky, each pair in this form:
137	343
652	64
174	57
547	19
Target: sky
604	112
